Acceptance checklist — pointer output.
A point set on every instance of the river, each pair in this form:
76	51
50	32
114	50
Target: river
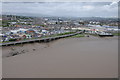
86	57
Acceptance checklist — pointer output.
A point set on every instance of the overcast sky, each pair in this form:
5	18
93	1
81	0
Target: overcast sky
64	9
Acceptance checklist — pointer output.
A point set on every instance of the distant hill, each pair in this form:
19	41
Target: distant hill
27	14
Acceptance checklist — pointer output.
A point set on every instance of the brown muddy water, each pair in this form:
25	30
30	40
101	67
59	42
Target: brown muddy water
86	57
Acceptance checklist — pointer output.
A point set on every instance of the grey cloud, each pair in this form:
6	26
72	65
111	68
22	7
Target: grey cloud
76	9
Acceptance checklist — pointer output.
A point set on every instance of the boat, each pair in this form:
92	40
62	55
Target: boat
103	34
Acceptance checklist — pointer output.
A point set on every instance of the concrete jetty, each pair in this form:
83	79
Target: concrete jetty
48	39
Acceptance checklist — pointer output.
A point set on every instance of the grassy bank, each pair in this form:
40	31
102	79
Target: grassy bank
78	36
116	34
61	34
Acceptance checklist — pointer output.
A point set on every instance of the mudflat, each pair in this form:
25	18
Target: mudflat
86	57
